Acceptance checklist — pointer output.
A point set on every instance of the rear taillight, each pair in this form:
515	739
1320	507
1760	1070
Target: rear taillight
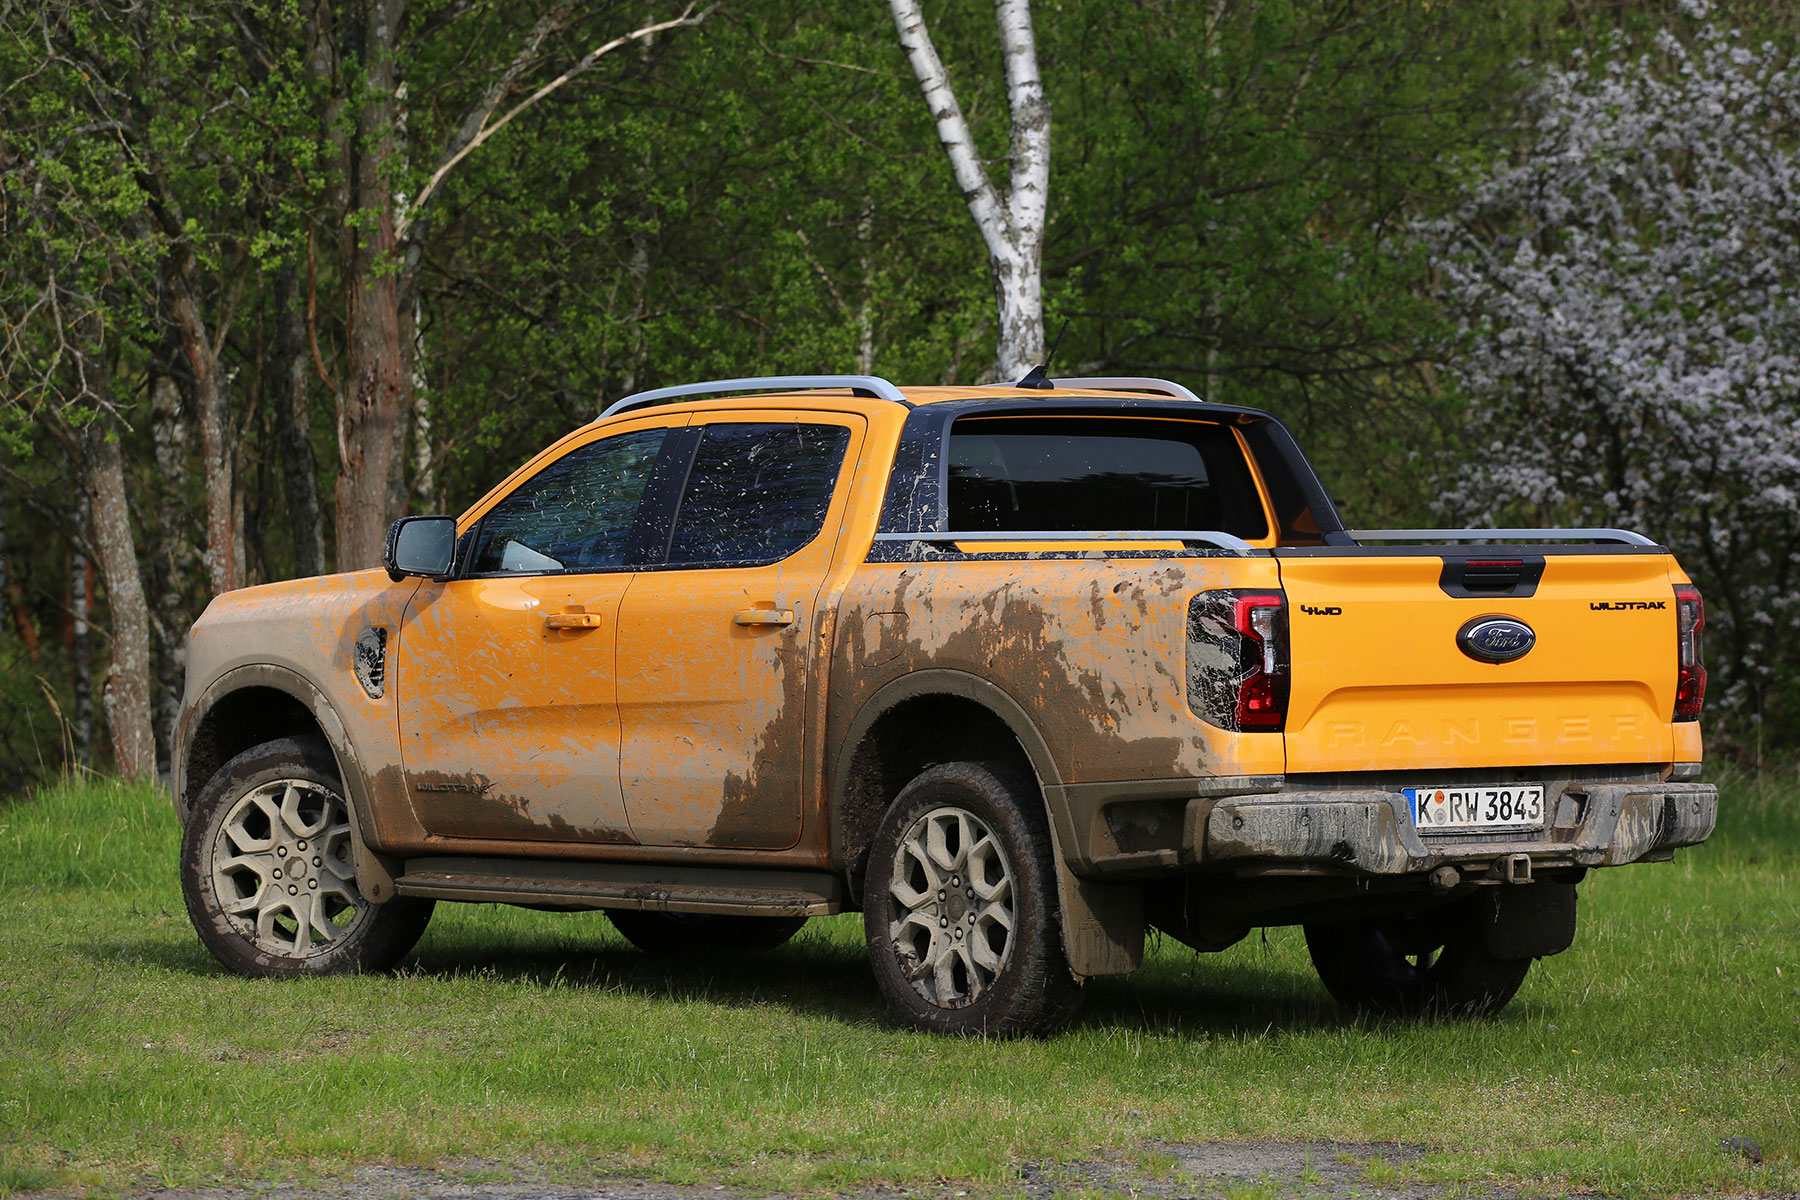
1237	660
1690	677
1262	690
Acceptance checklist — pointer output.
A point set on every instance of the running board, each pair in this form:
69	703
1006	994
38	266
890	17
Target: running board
655	888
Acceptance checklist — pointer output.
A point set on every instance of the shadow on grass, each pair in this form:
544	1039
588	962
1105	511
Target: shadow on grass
807	976
827	977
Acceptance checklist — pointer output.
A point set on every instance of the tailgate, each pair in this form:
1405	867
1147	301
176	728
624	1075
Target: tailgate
1380	682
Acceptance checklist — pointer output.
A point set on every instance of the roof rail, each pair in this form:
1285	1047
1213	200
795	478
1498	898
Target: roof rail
1629	537
1210	537
1128	383
867	385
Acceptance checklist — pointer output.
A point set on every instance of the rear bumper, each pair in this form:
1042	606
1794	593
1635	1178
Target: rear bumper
1595	824
1373	832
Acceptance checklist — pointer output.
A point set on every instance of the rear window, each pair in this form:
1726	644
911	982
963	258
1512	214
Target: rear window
1061	474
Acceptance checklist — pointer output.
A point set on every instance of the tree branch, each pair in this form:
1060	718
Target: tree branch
477	118
809	62
312	330
475	129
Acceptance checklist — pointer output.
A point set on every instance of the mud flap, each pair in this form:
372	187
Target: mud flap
374	872
1530	921
1102	924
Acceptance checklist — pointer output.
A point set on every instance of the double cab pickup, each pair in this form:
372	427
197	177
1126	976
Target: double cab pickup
1018	672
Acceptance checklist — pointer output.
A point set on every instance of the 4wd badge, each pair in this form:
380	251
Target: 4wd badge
1496	639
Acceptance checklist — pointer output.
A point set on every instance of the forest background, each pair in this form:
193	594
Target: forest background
274	272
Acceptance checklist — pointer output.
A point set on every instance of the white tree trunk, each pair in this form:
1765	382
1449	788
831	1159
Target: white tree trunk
1012	226
424	486
865	312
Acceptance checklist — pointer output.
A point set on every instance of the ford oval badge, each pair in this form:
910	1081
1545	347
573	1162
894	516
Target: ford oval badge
1496	639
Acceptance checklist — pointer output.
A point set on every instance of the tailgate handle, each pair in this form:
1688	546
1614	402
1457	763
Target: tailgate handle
1475	577
1490	579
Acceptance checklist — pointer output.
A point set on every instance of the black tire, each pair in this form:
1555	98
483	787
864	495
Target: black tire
668	934
992	980
274	821
1436	964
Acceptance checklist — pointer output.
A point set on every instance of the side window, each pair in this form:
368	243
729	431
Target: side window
756	493
573	516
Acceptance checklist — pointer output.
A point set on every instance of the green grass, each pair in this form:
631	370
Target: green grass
539	1044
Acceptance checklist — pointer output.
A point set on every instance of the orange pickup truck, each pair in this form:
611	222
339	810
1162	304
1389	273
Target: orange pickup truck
1017	671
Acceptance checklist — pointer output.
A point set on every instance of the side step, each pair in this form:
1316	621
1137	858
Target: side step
653	887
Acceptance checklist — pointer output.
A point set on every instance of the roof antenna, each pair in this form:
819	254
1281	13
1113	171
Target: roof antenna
1039	376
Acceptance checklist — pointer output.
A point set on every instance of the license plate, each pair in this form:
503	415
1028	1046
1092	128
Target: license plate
1451	808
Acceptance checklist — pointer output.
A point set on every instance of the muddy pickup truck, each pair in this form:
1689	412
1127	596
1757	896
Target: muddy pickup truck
1018	672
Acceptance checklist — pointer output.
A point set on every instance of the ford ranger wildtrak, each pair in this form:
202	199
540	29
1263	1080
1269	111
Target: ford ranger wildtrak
1018	672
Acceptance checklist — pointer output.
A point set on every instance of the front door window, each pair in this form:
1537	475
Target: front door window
573	517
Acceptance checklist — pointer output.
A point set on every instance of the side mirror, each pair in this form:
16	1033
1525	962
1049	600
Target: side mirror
420	546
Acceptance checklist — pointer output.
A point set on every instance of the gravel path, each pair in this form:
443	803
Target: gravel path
1210	1171
1301	1170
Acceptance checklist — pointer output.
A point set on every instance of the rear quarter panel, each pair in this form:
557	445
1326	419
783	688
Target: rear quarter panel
1094	650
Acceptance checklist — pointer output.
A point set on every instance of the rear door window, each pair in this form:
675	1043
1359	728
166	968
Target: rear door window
756	493
1071	474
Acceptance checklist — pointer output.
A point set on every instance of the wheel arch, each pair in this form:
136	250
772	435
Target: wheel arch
922	718
945	715
259	702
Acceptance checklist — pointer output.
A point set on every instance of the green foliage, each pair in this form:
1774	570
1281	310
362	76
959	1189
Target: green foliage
1232	203
668	229
32	732
1230	187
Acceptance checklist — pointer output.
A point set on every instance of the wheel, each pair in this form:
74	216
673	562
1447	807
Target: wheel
267	874
1435	964
680	933
960	907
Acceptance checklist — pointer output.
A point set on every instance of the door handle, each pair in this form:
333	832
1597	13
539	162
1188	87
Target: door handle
572	620
764	616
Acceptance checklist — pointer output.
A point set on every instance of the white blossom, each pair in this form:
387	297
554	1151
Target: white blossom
1631	338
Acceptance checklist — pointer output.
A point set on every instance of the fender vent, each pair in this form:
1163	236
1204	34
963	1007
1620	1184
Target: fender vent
370	660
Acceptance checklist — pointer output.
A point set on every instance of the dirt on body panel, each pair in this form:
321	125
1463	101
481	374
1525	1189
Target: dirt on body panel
311	628
509	728
1094	650
713	711
778	749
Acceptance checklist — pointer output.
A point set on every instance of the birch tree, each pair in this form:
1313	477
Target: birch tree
1012	220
